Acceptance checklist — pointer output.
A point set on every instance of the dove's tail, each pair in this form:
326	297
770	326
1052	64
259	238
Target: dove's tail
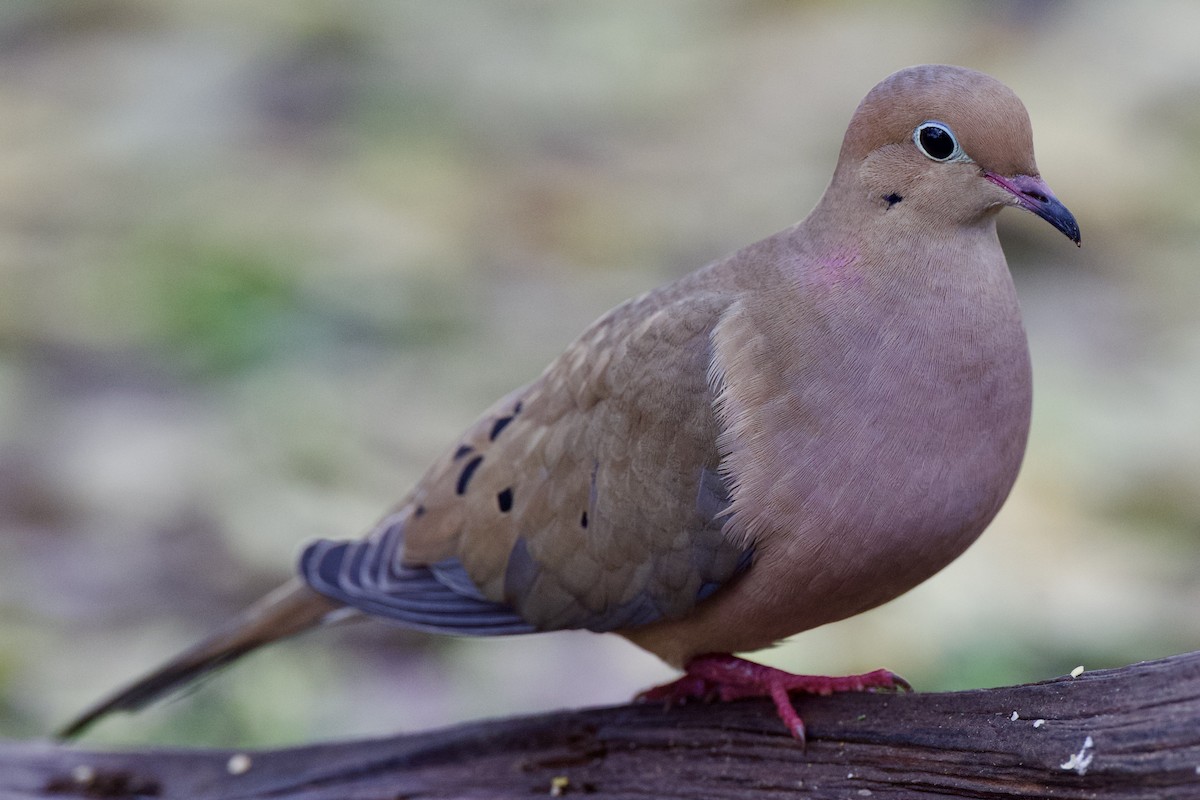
288	610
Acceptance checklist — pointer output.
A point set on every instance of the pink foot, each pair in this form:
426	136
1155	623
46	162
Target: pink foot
719	676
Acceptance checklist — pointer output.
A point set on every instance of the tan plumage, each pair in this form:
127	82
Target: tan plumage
599	435
789	436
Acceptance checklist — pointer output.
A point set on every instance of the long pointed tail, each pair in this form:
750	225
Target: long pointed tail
288	610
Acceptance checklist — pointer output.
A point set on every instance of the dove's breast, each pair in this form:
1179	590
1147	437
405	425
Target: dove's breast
871	431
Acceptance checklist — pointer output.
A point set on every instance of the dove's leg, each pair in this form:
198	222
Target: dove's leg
724	677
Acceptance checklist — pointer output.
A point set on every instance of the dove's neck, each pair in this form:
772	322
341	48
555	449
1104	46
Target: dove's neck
900	244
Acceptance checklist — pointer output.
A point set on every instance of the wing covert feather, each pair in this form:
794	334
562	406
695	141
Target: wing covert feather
590	498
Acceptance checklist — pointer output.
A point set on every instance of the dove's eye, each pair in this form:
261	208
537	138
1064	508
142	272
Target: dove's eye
937	141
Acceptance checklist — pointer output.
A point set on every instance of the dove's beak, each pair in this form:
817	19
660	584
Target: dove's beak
1034	195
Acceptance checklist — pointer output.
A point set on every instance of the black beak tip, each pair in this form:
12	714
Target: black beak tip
1054	212
1074	236
1072	231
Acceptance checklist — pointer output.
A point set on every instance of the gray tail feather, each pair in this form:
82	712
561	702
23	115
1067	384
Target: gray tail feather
288	610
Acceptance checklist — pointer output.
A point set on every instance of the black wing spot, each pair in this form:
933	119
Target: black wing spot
505	499
498	426
583	521
463	449
517	408
468	470
419	512
892	199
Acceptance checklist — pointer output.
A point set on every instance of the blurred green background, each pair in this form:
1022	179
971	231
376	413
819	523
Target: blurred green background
260	262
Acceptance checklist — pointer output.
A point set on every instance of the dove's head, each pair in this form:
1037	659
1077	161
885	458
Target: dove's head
950	144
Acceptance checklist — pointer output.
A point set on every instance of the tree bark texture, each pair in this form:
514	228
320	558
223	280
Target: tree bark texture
1126	733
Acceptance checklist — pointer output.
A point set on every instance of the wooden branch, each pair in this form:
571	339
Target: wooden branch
1126	733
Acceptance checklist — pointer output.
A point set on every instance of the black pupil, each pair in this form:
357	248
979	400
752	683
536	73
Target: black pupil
938	142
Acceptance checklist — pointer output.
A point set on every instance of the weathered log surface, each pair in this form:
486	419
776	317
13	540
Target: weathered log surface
1126	733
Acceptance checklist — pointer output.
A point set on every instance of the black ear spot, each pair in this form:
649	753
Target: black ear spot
892	199
468	470
505	500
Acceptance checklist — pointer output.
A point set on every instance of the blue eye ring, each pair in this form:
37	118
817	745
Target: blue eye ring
937	142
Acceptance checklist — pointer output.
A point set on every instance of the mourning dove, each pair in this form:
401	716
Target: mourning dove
789	436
